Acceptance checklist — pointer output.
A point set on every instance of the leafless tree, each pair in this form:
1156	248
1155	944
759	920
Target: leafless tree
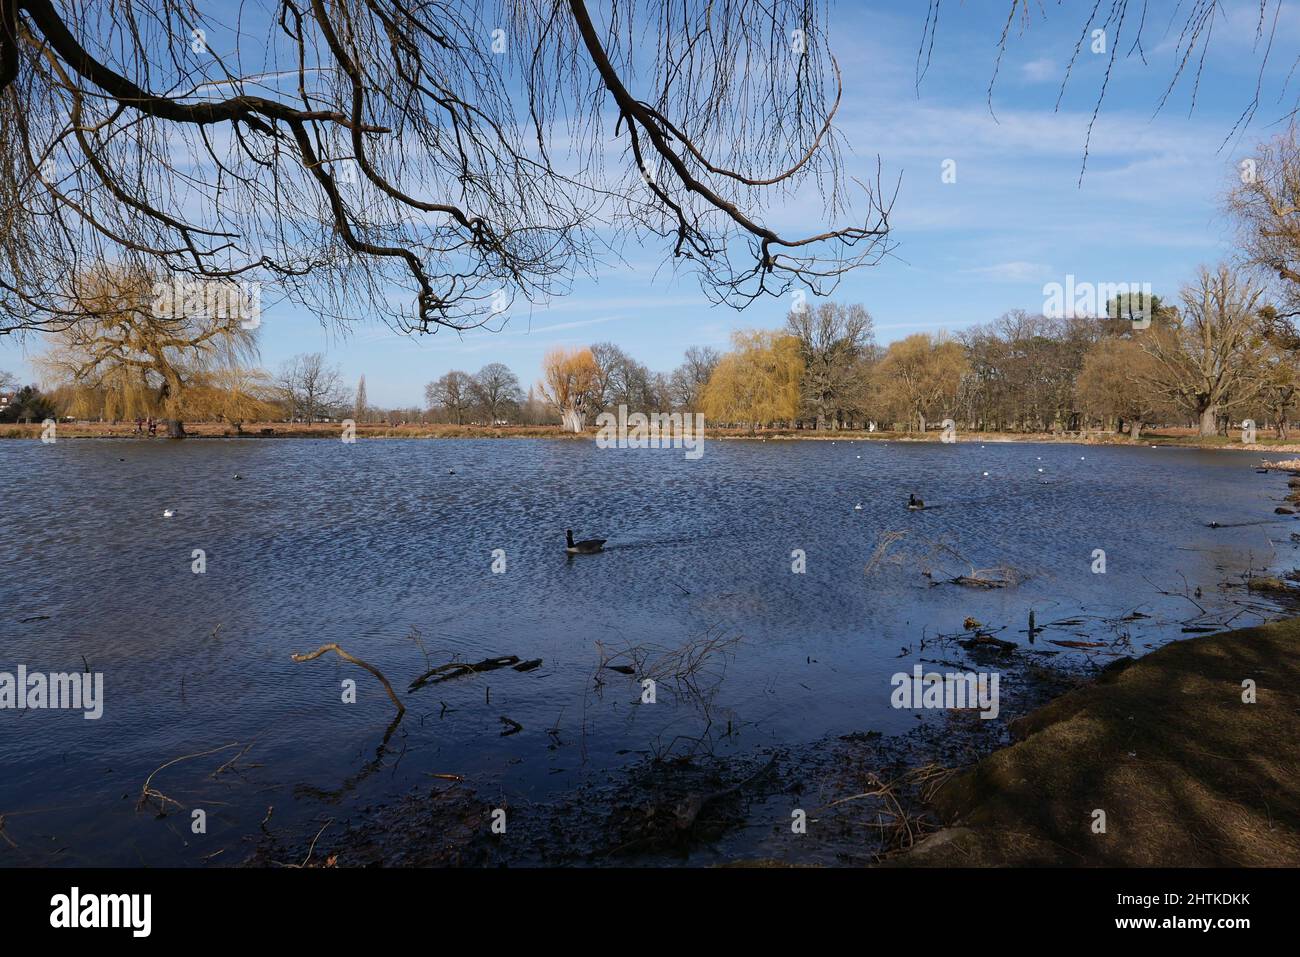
495	389
424	163
361	405
1206	360
833	340
310	387
687	382
1266	206
451	393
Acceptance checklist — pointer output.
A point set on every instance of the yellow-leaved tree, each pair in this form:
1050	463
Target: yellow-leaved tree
757	382
569	382
919	377
125	356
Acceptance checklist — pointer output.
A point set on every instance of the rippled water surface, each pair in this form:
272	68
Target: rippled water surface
387	548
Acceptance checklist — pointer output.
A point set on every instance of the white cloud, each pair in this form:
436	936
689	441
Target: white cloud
1039	71
1016	271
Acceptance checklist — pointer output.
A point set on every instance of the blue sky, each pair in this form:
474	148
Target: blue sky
1148	209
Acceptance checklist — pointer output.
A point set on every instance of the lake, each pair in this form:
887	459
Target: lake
739	580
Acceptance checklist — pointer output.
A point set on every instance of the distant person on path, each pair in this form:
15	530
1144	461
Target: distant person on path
153	426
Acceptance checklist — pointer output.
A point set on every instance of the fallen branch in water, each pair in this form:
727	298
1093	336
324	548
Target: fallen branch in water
985	639
457	669
689	809
1001	577
401	708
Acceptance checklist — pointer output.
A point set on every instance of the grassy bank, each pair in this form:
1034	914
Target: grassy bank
1186	772
332	430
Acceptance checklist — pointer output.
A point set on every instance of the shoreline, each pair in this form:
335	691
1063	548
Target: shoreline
1161	438
1184	767
1187	773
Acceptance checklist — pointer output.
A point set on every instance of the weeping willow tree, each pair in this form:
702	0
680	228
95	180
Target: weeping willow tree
136	350
757	382
233	394
568	384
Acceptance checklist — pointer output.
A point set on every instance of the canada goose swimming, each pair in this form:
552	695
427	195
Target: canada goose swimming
589	547
914	503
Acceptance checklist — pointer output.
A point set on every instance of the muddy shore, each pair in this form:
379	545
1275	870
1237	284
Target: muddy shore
1185	757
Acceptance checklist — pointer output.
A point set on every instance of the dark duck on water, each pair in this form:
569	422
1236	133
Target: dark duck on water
588	547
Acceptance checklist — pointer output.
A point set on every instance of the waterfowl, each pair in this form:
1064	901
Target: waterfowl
914	503
588	547
858	507
168	513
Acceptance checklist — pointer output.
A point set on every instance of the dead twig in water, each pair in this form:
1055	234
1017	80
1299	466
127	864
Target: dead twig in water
883	544
332	646
512	726
312	849
147	792
229	763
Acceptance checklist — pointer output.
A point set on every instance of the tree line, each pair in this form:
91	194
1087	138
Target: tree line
1223	350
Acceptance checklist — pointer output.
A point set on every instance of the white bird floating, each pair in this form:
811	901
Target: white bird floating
168	513
1040	470
986	474
858	507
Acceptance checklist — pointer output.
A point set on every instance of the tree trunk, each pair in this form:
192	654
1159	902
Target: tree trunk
1135	430
175	429
1209	421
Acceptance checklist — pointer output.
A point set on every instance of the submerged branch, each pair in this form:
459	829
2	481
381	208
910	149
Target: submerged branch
401	708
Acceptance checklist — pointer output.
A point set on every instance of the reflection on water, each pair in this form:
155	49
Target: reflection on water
387	548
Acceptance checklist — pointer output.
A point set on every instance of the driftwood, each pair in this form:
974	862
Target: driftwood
458	669
401	708
687	810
